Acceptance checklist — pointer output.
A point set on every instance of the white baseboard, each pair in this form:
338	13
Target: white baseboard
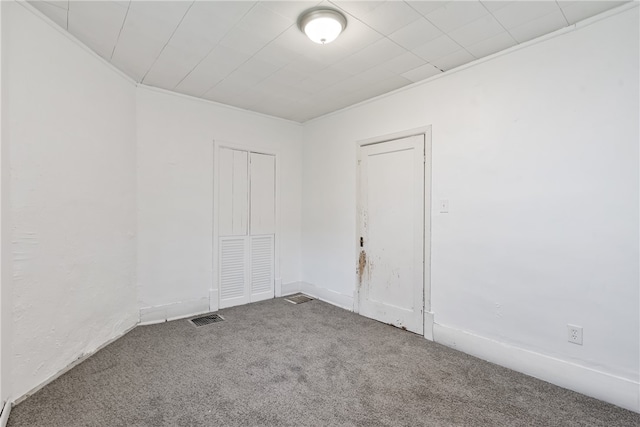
173	311
290	288
428	325
327	295
4	416
619	391
67	368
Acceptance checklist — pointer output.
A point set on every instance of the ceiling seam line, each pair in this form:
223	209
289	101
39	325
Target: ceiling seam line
393	41
252	56
57	6
500	23
167	43
383	36
444	33
562	11
213	48
113	51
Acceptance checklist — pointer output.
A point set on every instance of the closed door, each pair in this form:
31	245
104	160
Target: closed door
391	229
246	212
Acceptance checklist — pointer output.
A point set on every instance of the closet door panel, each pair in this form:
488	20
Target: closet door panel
233	192
262	268
233	271
240	193
262	194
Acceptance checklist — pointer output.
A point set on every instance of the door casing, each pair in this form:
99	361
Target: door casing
427	309
214	290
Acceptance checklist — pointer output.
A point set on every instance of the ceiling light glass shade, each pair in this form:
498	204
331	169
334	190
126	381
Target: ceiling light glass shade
322	25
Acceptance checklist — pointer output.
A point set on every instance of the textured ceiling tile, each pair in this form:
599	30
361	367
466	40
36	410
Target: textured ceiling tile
421	73
390	16
55	13
415	34
454	60
327	55
426	7
135	53
403	63
63	4
327	77
204	21
229	10
576	11
306	66
226	92
171	67
358	8
146	30
290	9
277	55
293	40
518	13
455	14
384	86
287	75
491	45
493	5
161	12
243	53
217	65
356	36
256	67
264	22
348	85
376	74
539	26
244	41
380	51
476	31
277	106
437	48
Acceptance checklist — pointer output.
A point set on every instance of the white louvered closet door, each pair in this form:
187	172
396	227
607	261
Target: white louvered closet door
233	271
246	227
261	268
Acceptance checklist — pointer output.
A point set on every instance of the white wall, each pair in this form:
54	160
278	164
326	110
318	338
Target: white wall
3	178
72	154
537	152
175	195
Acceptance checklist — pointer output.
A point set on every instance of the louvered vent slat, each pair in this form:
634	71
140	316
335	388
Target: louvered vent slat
232	268
261	264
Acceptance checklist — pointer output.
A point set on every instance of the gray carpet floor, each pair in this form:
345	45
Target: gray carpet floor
278	364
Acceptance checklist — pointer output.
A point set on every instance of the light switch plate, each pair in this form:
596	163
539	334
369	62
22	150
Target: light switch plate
444	206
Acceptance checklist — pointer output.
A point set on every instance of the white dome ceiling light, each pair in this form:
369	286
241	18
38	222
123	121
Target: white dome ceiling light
322	25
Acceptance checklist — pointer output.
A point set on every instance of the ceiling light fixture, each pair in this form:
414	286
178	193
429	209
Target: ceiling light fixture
322	25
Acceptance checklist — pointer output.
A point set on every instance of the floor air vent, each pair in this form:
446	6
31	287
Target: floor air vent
205	320
298	298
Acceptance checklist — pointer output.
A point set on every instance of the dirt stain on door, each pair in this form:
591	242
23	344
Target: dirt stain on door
362	264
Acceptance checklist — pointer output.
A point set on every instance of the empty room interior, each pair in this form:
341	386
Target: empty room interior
307	213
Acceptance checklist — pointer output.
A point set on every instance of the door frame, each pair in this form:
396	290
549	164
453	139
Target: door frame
214	290
428	316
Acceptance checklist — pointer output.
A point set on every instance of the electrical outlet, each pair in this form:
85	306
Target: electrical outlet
575	334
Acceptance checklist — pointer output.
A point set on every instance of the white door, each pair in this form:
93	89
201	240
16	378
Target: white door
391	226
262	225
246	254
